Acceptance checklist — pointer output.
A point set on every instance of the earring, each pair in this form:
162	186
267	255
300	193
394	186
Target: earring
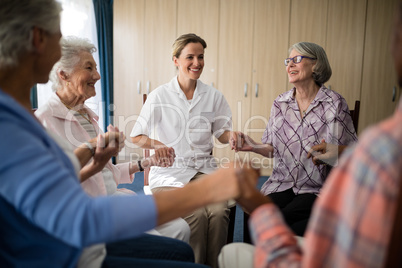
68	83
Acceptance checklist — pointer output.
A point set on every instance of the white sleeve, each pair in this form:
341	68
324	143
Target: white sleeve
223	116
148	117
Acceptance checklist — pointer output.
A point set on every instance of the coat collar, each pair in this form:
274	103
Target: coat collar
59	110
200	89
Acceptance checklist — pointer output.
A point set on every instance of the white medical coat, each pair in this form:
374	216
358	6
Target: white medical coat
186	126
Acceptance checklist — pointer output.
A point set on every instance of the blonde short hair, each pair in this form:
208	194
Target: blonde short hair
185	39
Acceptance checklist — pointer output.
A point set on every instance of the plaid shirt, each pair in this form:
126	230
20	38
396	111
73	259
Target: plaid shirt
353	216
292	136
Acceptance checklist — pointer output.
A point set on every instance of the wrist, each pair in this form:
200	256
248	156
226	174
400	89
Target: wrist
90	147
146	163
140	167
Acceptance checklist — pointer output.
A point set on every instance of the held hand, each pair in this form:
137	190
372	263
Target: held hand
241	142
325	153
164	156
226	185
118	136
249	198
103	153
152	161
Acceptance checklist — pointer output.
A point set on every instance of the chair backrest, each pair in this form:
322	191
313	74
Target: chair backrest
145	152
355	114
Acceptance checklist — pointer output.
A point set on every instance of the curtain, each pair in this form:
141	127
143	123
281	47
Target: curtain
34	97
104	28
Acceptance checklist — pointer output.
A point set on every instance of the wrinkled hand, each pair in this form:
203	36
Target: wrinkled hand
325	153
226	185
241	142
116	137
163	157
103	153
249	197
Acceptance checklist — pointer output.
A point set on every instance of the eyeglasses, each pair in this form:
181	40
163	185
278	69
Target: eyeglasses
296	59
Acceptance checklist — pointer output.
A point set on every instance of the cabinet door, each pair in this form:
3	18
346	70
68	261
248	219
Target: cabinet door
270	48
379	77
308	23
344	47
128	62
202	19
235	61
160	33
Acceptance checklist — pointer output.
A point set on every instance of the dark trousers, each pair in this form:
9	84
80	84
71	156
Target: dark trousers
296	209
149	251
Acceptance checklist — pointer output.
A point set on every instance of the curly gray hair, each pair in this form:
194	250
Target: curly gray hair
71	47
17	18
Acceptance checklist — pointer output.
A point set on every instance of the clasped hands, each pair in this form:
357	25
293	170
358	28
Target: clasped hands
325	153
108	144
239	141
163	157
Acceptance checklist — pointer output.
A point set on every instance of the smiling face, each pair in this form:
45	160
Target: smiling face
301	72
190	62
84	76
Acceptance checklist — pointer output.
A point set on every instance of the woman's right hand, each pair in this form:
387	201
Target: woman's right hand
103	151
115	136
106	147
164	156
241	142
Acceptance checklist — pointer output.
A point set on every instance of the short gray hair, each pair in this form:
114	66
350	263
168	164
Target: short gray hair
71	47
17	18
322	70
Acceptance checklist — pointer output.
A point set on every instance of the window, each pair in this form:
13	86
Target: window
78	19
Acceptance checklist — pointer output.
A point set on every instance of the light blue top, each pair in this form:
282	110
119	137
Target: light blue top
45	216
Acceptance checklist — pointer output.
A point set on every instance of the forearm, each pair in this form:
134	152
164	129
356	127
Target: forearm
249	204
225	137
266	150
84	153
341	148
88	171
145	142
145	163
183	201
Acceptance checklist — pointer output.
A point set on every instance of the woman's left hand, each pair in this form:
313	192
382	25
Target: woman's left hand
325	153
117	137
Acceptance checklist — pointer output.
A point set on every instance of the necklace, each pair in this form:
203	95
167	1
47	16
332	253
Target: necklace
81	113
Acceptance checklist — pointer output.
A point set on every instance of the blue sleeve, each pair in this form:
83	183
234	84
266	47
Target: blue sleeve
39	182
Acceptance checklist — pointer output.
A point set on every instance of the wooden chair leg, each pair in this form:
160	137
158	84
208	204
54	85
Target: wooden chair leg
232	219
246	231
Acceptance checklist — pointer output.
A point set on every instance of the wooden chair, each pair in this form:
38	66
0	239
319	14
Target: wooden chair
147	190
355	114
146	153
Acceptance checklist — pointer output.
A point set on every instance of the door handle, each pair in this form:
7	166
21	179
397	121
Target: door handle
245	89
139	87
256	90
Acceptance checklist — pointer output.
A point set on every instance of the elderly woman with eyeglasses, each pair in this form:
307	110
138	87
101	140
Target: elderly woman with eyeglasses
307	115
